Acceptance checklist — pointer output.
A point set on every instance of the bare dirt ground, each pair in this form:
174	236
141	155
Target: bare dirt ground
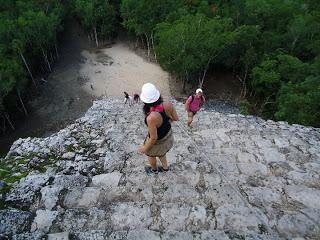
113	70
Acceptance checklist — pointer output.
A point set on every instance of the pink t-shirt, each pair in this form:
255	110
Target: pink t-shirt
195	105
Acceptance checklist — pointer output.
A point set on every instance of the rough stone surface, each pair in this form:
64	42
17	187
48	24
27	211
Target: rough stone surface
296	225
25	190
82	197
130	216
50	196
70	181
43	220
27	236
240	219
143	235
308	196
107	180
68	155
231	177
58	236
92	235
80	220
14	221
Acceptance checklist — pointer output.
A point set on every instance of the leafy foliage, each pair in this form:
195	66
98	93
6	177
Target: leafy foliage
142	16
245	107
273	46
28	31
188	45
299	103
97	14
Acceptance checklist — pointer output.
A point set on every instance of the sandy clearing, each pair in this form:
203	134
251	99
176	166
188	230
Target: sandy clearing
113	70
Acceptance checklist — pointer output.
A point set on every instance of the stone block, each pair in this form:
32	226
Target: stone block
107	180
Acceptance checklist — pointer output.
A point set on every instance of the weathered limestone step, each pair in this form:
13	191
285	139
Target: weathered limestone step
82	197
155	235
145	234
158	217
13	221
25	191
89	197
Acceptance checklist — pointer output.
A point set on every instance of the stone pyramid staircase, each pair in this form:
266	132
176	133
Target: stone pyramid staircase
231	177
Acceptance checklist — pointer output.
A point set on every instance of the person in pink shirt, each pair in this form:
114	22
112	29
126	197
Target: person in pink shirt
193	104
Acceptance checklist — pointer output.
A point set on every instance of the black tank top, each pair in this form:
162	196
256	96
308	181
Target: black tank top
165	126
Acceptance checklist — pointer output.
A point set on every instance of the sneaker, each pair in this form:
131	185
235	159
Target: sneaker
161	169
151	171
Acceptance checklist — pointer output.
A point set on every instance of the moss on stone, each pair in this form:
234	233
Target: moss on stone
70	148
4	170
2	204
13	179
5	189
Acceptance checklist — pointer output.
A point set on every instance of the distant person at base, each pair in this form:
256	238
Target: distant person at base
128	98
193	104
158	117
136	98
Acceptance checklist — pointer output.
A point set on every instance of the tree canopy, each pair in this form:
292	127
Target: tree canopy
28	37
97	17
188	45
272	46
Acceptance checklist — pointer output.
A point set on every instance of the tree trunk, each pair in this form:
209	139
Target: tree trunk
96	36
243	89
22	104
142	42
46	59
55	46
6	115
293	44
26	64
185	80
148	44
245	82
265	103
154	52
43	70
51	57
204	74
206	69
184	85
4	124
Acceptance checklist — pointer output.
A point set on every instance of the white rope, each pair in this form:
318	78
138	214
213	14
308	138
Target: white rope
225	178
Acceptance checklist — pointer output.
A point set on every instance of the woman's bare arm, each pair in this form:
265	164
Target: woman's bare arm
171	112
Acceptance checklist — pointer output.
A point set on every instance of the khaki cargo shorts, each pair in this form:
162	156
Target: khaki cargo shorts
161	147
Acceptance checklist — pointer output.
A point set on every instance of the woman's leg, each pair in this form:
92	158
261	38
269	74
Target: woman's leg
153	162
190	118
164	162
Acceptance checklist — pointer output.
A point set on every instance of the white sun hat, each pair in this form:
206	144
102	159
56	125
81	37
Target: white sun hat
149	93
199	90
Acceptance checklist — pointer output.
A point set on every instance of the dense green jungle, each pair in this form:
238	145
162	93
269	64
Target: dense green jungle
271	47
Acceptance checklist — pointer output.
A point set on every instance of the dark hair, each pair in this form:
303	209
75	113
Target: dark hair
126	94
147	106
